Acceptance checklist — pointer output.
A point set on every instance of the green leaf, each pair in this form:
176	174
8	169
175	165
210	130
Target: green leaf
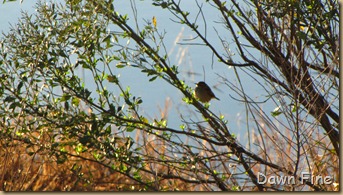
294	108
235	188
14	105
20	85
136	175
187	100
65	97
112	79
9	99
107	38
120	65
130	129
62	53
123	167
301	35
276	112
79	148
75	101
153	78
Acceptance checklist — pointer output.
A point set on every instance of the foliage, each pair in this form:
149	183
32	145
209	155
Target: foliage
47	106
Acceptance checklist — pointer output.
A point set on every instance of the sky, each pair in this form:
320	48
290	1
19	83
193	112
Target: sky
190	59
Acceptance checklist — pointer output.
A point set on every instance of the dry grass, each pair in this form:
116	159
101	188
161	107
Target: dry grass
39	172
34	169
24	168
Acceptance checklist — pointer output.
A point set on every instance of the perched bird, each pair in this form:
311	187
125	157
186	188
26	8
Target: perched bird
203	92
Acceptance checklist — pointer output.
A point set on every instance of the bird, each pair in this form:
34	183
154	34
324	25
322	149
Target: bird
203	92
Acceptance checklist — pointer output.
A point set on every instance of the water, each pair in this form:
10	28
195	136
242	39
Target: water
193	62
196	63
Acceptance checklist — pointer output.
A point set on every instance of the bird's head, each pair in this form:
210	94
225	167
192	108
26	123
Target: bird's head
201	83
